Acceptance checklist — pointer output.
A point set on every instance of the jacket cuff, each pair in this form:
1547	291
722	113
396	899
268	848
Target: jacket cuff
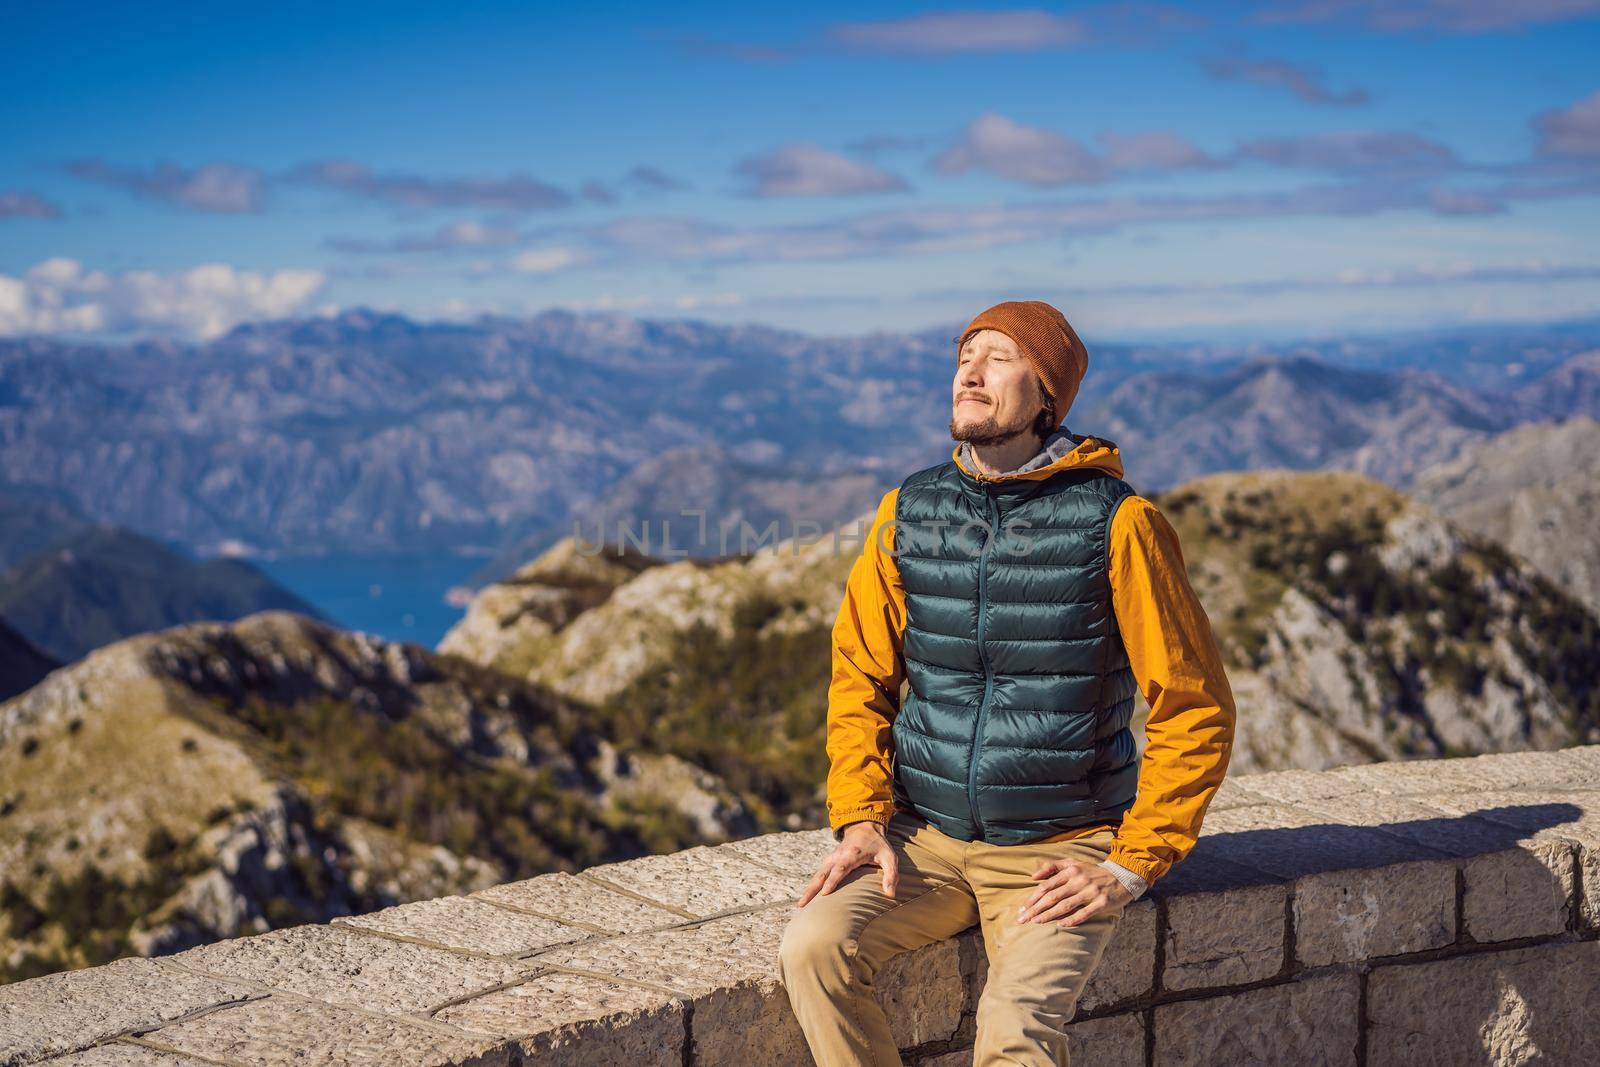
1130	881
842	820
1149	869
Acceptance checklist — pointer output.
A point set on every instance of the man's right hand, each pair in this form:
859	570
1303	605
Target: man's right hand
863	842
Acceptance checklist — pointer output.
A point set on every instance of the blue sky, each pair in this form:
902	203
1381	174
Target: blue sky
1157	171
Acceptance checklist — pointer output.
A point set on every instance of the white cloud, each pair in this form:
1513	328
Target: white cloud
803	168
1573	130
224	188
19	205
1451	16
544	260
457	235
515	192
689	303
1039	156
962	32
59	296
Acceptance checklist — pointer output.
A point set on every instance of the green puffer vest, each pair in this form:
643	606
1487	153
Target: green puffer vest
1016	723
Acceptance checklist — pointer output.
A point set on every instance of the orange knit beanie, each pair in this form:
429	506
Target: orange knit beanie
1048	340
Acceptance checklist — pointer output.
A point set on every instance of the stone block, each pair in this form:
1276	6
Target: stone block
1345	916
1560	769
1234	793
797	853
1541	816
1226	924
291	1030
1296	786
1566	814
1225	937
1531	1005
1111	1041
688	959
1513	886
1207	870
1518	892
1290	842
343	966
1357	890
1414	820
560	1019
580	902
71	1010
125	1053
701	882
468	925
1127	971
1310	1021
728	969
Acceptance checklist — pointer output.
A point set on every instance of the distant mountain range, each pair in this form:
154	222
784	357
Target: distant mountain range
368	433
1534	489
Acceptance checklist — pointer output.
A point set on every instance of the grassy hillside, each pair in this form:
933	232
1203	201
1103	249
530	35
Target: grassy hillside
217	779
99	584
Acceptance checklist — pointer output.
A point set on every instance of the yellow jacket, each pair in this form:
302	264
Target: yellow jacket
1189	733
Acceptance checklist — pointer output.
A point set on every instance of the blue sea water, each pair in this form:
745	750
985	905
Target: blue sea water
397	597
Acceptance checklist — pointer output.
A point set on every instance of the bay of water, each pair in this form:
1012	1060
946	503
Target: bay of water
398	597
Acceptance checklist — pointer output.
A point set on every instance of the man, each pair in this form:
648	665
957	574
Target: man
1024	591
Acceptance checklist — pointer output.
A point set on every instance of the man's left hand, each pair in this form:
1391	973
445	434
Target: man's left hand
1070	892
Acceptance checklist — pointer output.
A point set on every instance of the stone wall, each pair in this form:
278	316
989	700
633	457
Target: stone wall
1441	911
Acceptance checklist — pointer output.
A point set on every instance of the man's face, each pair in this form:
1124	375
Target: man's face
996	394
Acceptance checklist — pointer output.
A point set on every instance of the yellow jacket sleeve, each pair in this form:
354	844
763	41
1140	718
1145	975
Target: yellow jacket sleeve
864	691
1175	659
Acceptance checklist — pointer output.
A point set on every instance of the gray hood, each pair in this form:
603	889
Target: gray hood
1059	443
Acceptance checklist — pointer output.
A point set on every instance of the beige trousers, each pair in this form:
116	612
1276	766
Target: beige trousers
834	947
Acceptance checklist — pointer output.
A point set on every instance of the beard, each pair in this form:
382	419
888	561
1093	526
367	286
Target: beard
987	430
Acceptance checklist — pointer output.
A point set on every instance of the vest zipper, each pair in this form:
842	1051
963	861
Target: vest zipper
983	657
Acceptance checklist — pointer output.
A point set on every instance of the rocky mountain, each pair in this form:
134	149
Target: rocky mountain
1357	626
1296	413
722	662
21	663
98	584
1534	489
369	433
703	501
215	779
1490	359
1572	388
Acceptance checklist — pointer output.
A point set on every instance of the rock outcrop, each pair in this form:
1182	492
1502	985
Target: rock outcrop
1359	625
1534	489
217	779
